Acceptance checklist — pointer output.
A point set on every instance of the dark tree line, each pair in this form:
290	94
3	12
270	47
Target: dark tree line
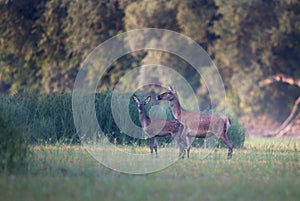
43	43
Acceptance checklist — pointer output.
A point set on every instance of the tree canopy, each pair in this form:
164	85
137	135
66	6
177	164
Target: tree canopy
43	43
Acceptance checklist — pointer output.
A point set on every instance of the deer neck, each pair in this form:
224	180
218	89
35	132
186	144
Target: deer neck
176	108
144	119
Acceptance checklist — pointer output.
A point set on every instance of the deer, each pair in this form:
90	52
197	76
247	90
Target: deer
196	124
159	128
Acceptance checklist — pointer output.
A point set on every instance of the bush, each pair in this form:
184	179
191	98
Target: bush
42	118
14	149
236	134
49	119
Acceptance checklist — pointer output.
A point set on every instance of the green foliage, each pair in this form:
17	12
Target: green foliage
14	148
44	118
18	45
251	41
236	133
48	119
195	20
140	14
43	43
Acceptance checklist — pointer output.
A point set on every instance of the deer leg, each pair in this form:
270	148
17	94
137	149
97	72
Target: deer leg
228	143
189	143
187	139
151	145
155	146
181	154
185	144
180	143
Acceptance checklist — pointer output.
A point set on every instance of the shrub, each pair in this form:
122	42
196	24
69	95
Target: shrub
49	119
14	149
236	133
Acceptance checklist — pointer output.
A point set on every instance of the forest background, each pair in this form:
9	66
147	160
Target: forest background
44	42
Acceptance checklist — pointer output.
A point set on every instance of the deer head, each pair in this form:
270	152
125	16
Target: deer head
169	95
141	104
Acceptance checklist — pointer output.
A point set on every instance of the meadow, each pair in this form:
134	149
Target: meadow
265	169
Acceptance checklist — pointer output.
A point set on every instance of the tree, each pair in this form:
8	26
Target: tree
88	24
251	44
51	47
43	43
195	20
156	14
18	42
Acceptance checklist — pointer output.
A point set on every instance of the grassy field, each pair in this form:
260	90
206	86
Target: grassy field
267	169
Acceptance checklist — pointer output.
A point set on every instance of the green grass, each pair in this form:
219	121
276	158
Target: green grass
267	169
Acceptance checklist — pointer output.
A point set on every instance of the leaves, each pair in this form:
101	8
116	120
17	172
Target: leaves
43	43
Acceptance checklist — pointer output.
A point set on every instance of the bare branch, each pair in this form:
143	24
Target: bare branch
278	132
288	123
280	78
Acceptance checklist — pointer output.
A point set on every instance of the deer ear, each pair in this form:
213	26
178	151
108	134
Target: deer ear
170	88
147	100
173	89
135	99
